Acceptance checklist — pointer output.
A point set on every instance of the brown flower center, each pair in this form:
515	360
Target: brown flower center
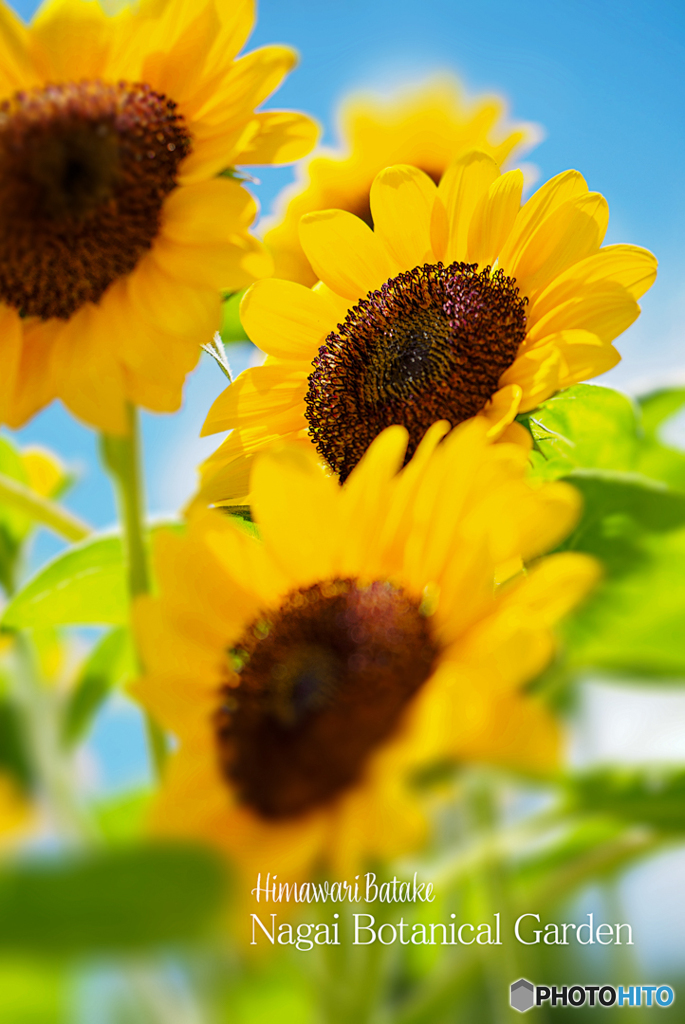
321	682
84	171
432	344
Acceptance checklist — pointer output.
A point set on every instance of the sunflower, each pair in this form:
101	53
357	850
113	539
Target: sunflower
461	303
428	126
117	228
311	673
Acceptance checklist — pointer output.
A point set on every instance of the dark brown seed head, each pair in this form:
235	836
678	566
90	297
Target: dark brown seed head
84	170
321	683
432	344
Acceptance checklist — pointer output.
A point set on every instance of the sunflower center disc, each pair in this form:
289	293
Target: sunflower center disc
321	683
430	345
84	170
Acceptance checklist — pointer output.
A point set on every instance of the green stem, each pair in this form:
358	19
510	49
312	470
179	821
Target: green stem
39	707
122	456
41	510
500	966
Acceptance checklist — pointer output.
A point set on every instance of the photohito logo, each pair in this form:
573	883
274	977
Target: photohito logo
524	995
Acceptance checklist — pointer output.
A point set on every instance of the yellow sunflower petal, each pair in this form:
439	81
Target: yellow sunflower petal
502	409
537	373
212	606
224	266
517	434
251	81
345	253
90	376
257	393
10	358
296	508
520	732
570	233
364	491
244	558
280	137
402	199
555	586
583	356
214	152
603	308
546	518
207	212
493	218
554	193
35	387
67	35
16	67
286	319
461	188
170	304
237	21
175	70
627	265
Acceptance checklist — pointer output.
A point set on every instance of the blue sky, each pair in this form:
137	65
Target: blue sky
605	81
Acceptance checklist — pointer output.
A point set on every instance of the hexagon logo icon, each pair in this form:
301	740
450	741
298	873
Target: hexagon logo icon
522	995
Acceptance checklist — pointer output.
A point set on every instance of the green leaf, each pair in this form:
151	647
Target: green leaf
653	797
34	994
14	749
658	407
231	329
116	901
110	663
649	502
84	585
633	625
620	510
584	427
633	488
588	427
121	818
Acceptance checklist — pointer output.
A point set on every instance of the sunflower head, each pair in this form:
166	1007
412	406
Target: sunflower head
85	168
431	344
117	232
462	302
311	673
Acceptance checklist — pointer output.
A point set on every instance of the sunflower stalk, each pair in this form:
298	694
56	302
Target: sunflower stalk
489	878
122	457
41	510
351	980
40	712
